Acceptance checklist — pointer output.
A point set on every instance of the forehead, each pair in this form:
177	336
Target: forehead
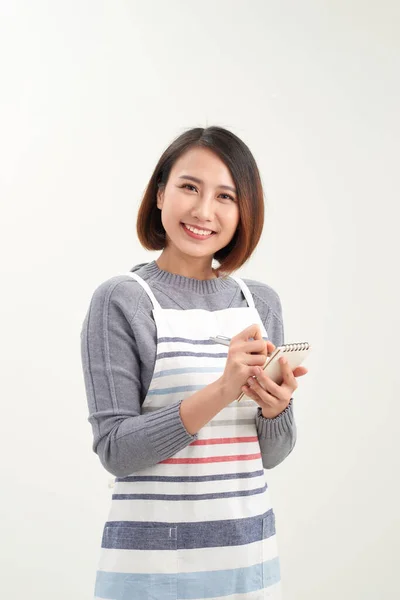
204	164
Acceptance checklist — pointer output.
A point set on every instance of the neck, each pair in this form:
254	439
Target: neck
186	267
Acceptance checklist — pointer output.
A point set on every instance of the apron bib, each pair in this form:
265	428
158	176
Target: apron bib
200	524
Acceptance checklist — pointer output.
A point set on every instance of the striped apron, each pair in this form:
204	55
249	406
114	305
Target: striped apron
199	524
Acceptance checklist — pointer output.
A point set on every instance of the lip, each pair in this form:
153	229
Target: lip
198	227
196	236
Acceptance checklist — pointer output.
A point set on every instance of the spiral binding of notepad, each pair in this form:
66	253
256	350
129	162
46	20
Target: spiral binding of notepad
295	347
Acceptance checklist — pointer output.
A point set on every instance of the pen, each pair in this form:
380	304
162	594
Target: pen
221	339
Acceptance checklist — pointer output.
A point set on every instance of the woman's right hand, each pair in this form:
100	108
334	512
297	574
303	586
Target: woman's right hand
244	356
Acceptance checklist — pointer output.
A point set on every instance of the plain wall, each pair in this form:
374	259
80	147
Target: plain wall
91	94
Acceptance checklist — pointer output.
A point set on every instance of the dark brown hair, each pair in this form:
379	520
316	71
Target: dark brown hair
244	171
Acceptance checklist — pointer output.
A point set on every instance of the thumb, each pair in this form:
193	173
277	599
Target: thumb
270	347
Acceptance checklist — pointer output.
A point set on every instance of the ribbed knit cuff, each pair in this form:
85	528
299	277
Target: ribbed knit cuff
167	431
280	425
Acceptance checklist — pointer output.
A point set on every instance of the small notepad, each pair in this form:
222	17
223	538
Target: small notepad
294	354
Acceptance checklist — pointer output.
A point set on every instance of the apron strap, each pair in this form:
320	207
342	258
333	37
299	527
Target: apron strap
245	290
146	288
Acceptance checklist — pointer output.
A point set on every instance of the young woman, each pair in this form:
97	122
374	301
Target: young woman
191	515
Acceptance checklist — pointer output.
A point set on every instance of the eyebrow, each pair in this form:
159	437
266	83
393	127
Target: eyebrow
197	180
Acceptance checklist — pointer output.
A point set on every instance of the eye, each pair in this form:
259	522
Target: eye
188	184
228	196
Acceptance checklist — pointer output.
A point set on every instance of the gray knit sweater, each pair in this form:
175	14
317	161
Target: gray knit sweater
118	350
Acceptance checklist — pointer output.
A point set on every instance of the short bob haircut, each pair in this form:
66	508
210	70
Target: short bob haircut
244	171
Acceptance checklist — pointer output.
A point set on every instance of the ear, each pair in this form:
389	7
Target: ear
160	198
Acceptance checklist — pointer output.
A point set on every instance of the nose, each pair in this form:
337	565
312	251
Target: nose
203	209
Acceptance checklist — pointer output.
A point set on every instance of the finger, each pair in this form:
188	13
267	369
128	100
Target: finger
270	347
272	391
253	331
299	371
261	345
287	373
268	385
247	391
253	360
256	346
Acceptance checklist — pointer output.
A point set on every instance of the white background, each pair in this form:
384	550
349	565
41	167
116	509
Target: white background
91	94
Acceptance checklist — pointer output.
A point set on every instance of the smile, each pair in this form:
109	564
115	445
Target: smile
199	234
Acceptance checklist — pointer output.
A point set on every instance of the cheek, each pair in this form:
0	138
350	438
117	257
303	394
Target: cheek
170	213
231	218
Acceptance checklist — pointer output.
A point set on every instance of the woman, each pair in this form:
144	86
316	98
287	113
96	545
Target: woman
190	515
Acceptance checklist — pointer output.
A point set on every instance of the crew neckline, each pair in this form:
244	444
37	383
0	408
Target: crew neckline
151	271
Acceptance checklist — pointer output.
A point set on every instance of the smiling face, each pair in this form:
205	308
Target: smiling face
199	209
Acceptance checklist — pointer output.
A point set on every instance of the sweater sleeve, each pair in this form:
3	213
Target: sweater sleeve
277	436
125	440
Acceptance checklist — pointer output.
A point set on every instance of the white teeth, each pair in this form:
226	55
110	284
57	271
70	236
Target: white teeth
198	231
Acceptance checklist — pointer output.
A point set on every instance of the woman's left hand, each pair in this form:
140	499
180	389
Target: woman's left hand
275	398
